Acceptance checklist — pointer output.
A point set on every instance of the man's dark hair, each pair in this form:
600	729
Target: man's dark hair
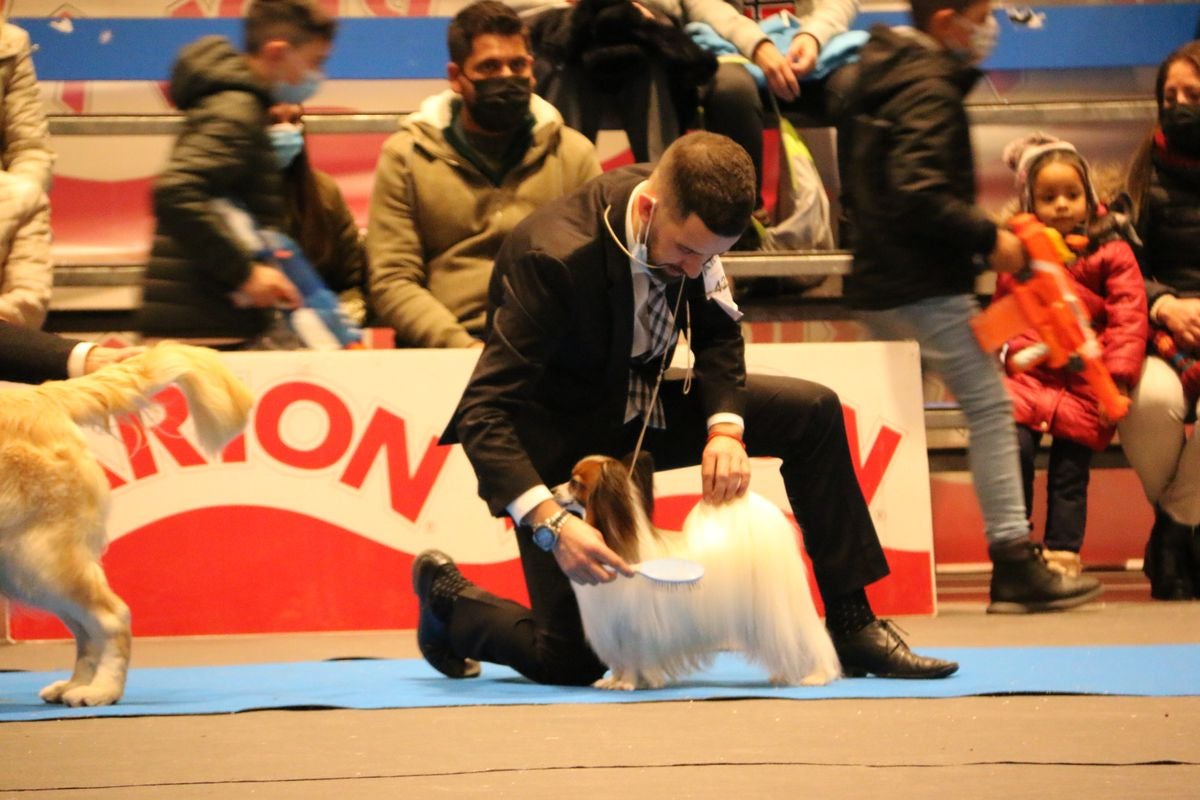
711	176
485	16
923	10
295	21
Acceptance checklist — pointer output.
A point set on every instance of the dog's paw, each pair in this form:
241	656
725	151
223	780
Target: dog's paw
613	683
93	694
54	692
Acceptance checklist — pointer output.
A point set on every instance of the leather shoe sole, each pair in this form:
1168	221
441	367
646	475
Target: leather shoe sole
433	636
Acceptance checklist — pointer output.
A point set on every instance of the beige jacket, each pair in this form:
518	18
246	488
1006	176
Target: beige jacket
25	268
436	222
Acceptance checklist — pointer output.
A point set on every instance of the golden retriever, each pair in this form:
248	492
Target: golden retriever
54	497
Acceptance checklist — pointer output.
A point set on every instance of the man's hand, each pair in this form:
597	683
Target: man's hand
1181	316
778	71
266	287
802	54
1008	254
99	356
582	554
724	466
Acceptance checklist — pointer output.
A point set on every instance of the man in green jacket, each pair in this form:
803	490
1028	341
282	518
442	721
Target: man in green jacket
462	171
200	281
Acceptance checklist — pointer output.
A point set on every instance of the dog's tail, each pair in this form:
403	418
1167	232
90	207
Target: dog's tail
219	401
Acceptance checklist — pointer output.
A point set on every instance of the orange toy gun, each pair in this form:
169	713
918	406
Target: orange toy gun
1044	299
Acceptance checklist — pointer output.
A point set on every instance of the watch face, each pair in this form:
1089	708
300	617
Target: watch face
544	538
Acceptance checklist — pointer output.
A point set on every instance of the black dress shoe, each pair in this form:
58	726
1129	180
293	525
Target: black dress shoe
437	581
879	650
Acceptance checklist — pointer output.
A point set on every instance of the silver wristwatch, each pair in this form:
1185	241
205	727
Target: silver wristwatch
545	535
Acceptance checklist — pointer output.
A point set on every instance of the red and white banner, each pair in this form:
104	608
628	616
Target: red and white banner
310	521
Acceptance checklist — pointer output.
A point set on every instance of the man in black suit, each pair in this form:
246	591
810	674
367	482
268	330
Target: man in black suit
568	368
32	356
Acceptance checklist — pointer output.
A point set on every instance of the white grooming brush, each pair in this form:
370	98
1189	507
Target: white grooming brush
669	571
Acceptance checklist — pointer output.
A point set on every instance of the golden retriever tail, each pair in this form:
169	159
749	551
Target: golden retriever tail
219	402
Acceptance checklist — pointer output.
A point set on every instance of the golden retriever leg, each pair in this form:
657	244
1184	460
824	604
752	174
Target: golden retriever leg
99	620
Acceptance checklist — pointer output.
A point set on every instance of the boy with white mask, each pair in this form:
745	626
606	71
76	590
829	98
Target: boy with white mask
200	281
919	241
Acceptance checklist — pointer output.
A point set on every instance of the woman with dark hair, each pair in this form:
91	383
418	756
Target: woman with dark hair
316	214
1164	186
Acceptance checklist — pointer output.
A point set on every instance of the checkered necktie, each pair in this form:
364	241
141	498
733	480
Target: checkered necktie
660	323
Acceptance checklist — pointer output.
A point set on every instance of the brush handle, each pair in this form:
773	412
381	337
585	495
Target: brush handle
675	571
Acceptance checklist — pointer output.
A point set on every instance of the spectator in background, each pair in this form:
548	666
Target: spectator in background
25	268
1056	185
1164	184
200	281
919	240
462	171
316	214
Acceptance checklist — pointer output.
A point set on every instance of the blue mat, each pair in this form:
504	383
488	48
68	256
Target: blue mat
1160	670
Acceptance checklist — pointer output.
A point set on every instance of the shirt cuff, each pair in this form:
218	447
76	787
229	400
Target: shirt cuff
529	500
77	360
727	416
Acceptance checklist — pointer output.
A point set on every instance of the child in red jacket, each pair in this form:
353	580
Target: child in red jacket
1054	183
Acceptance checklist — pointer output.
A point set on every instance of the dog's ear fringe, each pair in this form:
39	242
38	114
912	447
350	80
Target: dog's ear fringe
611	509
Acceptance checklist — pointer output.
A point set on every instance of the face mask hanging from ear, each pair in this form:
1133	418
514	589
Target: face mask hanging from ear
641	248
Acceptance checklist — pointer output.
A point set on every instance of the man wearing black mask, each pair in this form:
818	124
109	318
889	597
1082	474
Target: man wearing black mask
462	171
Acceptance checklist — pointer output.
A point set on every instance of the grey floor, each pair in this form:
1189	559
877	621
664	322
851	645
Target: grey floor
982	747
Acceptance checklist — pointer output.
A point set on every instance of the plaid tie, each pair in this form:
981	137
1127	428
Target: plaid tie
660	323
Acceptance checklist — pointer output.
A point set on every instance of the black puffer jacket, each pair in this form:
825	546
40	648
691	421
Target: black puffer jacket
1169	226
908	173
223	152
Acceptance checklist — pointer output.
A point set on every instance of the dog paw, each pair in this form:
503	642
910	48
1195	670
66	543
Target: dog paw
615	684
93	694
54	692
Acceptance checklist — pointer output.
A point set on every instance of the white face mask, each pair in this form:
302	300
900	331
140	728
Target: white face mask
981	39
641	248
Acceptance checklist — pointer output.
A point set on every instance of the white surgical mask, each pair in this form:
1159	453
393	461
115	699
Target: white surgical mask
288	140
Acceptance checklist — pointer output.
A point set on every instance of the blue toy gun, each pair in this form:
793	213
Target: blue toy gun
320	322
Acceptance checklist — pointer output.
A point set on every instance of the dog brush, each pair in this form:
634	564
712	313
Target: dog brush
671	572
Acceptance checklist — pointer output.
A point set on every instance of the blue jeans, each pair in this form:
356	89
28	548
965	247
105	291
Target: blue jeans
940	325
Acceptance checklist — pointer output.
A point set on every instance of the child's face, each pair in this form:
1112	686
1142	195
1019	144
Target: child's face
1059	197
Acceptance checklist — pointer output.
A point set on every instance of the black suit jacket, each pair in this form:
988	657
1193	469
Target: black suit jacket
30	356
552	381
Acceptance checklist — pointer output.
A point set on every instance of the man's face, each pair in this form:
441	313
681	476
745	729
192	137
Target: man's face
492	56
682	247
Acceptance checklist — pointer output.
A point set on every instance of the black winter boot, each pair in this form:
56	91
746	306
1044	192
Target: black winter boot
1170	562
1023	584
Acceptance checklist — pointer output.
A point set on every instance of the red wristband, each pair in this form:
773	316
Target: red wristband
714	434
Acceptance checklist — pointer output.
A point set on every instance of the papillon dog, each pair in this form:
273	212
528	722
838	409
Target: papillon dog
753	598
54	497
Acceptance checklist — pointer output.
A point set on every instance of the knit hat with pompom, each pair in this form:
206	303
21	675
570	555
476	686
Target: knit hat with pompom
1022	157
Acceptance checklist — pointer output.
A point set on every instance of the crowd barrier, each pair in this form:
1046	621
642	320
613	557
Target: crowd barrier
311	519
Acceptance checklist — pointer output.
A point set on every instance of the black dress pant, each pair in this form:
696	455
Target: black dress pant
1066	487
797	421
